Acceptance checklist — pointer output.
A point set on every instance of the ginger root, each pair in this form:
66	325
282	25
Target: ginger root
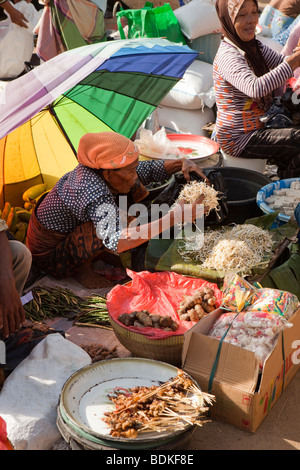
196	306
143	318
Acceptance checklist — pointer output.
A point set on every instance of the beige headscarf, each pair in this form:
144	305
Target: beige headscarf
227	11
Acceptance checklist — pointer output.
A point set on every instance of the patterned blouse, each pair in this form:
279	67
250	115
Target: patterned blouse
240	94
82	195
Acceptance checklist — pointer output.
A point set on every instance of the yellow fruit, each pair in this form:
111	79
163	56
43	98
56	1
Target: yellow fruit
23	215
6	211
19	208
12	220
34	192
28	206
20	233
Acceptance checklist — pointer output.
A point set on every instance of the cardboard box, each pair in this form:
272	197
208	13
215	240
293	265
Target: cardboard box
244	395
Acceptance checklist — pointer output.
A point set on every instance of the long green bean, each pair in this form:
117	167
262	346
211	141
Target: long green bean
50	302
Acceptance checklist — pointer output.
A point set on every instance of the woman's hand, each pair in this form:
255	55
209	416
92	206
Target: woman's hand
186	166
294	59
15	15
188	213
297	48
12	314
189	167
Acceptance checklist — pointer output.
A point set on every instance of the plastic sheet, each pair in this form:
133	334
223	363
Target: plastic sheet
159	293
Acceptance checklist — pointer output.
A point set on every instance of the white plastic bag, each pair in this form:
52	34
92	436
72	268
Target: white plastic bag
195	90
16	43
29	397
156	145
255	331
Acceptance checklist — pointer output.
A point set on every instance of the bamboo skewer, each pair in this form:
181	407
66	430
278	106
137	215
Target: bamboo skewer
167	412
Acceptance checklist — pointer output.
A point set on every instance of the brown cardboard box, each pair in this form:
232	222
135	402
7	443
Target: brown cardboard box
243	394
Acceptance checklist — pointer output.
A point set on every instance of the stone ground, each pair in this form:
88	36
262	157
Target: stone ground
279	431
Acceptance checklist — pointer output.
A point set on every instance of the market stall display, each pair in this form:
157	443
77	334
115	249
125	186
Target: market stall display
88	396
255	318
165	407
249	248
161	295
280	196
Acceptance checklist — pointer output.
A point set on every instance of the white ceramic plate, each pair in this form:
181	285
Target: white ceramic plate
84	397
194	147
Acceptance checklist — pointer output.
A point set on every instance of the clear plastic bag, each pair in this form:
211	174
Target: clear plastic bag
254	331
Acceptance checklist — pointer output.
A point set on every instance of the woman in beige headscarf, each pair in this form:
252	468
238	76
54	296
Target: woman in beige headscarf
246	75
81	217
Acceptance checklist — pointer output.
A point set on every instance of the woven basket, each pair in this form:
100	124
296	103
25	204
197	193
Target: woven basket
166	350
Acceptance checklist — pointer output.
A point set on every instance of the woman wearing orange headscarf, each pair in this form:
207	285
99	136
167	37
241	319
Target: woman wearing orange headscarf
80	217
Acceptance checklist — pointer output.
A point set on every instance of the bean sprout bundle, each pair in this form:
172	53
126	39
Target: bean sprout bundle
236	249
192	191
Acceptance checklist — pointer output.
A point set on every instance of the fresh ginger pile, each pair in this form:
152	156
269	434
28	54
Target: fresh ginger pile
196	306
144	318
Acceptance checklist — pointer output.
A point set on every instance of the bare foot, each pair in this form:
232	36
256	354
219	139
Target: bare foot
91	279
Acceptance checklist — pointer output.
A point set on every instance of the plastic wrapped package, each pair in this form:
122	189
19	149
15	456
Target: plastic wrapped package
274	301
254	331
236	292
238	295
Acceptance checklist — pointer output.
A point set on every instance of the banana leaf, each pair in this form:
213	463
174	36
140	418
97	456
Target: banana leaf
162	255
286	276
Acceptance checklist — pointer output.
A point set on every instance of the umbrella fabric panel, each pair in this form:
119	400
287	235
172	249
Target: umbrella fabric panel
144	87
119	97
18	150
170	64
29	94
34	153
53	153
77	121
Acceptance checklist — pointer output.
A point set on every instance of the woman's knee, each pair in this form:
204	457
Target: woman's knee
21	254
22	261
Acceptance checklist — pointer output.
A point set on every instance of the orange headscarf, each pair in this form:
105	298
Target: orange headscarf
106	150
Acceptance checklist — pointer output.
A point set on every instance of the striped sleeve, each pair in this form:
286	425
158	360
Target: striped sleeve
235	70
272	58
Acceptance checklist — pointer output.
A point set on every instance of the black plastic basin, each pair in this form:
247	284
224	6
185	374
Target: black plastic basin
243	186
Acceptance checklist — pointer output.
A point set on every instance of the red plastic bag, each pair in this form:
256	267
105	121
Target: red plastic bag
159	293
5	444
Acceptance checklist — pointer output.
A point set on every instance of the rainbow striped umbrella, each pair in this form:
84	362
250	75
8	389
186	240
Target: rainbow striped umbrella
112	86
